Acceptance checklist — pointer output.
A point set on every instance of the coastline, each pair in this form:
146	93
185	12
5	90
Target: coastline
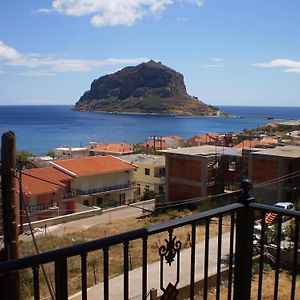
41	128
221	114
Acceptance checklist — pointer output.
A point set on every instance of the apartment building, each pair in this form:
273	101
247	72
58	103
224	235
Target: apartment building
279	169
99	180
149	175
115	149
208	170
46	193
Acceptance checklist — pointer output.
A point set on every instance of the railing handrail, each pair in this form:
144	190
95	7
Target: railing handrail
67	252
274	209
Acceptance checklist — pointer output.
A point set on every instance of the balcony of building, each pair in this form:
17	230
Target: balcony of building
220	253
105	189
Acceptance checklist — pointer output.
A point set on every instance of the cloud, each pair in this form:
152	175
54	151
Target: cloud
113	12
36	74
218	62
217	59
289	66
7	52
49	64
213	66
43	11
182	19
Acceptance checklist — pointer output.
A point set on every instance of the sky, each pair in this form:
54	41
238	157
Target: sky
230	52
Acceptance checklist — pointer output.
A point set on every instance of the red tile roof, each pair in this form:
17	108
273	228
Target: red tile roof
93	165
158	144
114	148
42	180
201	139
248	144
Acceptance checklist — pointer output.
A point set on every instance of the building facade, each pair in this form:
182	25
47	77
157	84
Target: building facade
149	175
99	180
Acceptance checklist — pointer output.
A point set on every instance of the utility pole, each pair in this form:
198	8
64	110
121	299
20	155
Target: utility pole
11	288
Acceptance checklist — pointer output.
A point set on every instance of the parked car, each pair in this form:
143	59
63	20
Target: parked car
285	205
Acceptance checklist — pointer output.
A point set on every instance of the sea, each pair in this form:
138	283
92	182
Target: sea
39	129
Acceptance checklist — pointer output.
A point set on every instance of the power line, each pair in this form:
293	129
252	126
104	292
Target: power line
50	288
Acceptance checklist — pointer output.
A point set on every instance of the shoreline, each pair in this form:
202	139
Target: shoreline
150	114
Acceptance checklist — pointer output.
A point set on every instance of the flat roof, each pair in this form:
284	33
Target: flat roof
205	150
282	151
156	160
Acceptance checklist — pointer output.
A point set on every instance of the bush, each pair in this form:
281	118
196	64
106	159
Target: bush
148	195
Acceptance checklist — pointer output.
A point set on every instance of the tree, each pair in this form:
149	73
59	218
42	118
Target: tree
148	195
290	231
22	158
51	153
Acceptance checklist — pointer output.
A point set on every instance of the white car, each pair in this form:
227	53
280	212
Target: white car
285	205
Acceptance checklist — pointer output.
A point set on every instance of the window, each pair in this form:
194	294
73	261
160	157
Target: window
99	201
147	171
231	166
121	199
161	190
138	189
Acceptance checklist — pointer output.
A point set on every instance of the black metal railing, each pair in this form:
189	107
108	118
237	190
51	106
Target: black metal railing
219	250
69	195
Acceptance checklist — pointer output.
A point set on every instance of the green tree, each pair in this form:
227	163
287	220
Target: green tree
290	231
51	153
22	158
148	195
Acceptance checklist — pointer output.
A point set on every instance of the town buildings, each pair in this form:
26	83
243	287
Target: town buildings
45	193
65	185
70	152
99	180
149	175
115	149
202	171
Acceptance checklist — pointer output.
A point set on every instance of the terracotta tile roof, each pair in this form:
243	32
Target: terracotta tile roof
158	144
269	140
114	148
203	139
93	165
42	180
174	137
248	144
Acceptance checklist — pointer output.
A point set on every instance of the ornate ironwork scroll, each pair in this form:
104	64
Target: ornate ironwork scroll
168	252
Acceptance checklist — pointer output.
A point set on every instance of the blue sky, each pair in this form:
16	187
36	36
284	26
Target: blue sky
230	52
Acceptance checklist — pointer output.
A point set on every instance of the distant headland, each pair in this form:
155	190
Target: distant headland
148	88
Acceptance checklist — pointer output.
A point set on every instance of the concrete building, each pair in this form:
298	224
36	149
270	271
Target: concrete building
150	173
204	139
46	193
71	152
173	140
279	169
115	149
209	170
99	180
193	172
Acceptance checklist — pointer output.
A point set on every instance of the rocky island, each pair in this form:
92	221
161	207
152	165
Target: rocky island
148	88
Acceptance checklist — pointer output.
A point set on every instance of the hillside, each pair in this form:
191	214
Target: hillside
149	88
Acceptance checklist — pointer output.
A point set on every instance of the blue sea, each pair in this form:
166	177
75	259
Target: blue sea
42	128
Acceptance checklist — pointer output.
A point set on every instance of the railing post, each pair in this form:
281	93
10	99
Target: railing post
244	244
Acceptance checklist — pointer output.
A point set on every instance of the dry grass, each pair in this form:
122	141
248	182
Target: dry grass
95	259
284	288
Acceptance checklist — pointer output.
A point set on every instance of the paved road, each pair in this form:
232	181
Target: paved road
135	276
107	216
